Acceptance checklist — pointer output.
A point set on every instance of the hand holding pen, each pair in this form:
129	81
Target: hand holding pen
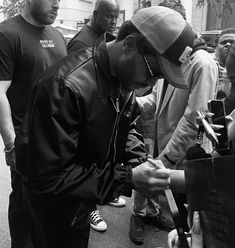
209	128
174	211
149	179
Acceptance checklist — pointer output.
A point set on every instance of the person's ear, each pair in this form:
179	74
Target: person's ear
130	45
95	14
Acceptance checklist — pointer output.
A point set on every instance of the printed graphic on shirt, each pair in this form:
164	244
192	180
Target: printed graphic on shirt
47	43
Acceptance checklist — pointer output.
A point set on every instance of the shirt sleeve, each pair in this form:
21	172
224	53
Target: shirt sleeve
7	59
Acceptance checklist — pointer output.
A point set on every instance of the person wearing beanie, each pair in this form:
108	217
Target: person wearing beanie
174	112
83	148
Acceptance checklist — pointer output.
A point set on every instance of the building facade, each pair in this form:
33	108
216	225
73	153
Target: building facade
1	14
75	13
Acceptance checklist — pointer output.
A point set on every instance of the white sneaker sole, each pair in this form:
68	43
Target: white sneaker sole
118	205
99	229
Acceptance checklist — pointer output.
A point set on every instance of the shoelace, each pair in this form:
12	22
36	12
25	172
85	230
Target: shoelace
95	216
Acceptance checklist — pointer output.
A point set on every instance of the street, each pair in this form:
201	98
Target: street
117	220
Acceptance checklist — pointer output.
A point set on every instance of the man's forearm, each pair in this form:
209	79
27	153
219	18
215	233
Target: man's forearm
177	181
6	126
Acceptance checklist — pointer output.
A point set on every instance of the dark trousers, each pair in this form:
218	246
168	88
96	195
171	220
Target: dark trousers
57	223
18	222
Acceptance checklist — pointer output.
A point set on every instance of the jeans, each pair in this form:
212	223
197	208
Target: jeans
143	206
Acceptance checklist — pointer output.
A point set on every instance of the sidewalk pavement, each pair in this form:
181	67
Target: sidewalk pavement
116	235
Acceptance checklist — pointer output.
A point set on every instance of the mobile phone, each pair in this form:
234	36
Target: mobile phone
217	108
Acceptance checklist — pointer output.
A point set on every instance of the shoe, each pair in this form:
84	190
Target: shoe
136	230
160	221
97	222
118	202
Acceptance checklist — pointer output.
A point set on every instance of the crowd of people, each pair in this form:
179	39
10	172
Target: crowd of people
70	118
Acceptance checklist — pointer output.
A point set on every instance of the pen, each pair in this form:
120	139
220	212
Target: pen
208	129
173	208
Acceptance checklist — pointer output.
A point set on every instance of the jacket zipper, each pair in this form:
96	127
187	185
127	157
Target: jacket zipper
117	108
115	137
76	215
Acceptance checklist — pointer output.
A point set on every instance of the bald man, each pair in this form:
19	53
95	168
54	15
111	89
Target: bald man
28	45
104	19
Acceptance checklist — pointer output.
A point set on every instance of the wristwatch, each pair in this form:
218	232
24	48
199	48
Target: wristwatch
9	148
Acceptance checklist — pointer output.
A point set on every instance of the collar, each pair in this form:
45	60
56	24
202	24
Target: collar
94	30
106	83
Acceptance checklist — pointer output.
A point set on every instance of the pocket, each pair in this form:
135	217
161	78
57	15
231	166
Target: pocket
21	154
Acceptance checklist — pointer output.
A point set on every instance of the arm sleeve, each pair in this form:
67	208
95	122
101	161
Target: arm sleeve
203	82
75	45
147	103
7	59
135	151
54	126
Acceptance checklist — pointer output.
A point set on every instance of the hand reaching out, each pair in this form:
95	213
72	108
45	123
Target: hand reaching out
150	178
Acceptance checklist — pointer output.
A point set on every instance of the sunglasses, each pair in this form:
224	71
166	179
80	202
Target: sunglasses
224	42
147	65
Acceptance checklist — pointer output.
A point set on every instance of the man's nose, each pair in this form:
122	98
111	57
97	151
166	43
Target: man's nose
56	4
114	20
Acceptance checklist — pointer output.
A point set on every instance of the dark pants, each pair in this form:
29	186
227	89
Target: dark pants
18	222
57	223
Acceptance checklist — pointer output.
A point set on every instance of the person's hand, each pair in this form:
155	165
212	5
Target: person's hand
207	116
173	239
151	178
10	158
195	238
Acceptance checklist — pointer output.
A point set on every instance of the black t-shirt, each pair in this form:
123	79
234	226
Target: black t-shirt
25	52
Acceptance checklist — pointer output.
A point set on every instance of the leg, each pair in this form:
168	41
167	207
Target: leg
159	216
18	224
56	223
153	206
96	220
136	230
